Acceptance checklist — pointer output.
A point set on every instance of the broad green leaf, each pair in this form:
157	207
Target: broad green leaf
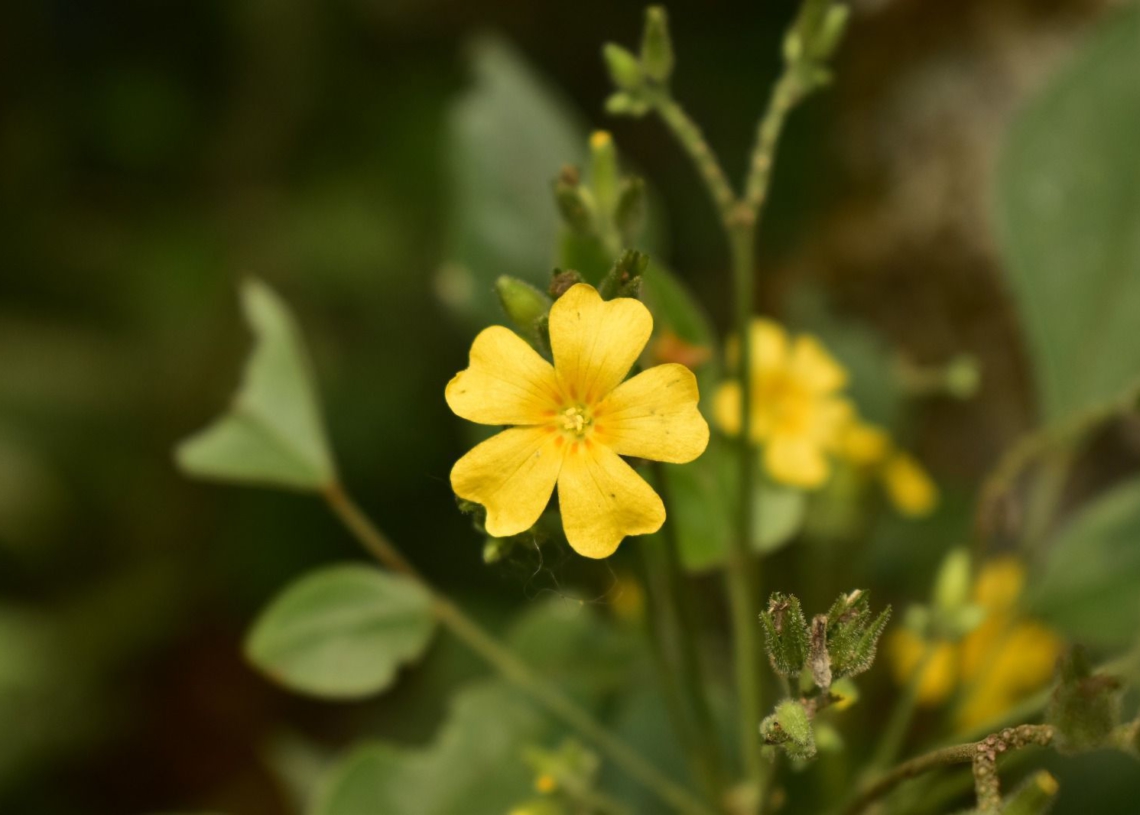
273	432
509	136
475	765
777	515
702	496
342	632
701	507
1068	202
1089	585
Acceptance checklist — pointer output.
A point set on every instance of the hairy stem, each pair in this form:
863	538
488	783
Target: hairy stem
693	141
981	754
510	666
894	734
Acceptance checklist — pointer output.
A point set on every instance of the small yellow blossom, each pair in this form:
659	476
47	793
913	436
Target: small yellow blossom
908	486
998	663
798	413
545	783
865	445
573	421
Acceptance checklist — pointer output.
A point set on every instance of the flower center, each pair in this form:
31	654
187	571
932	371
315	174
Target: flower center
575	421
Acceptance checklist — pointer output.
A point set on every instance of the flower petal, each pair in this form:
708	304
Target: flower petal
512	475
796	461
727	407
654	416
769	343
595	342
603	500
507	382
814	367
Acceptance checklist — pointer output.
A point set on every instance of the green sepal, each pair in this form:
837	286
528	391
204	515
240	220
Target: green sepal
853	634
625	68
785	634
524	304
657	45
1085	707
624	277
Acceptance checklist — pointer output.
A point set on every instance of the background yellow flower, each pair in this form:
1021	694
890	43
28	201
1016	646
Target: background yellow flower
994	666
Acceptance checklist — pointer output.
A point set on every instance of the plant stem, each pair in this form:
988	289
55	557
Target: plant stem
662	636
894	734
510	666
693	141
980	753
741	574
682	622
785	95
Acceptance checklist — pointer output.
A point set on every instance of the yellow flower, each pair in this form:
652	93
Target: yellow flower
573	422
797	411
999	662
908	486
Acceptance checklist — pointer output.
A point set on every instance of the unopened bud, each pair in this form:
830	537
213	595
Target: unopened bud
603	170
577	211
626	104
522	302
625	69
656	45
952	586
624	278
830	32
562	281
629	215
963	376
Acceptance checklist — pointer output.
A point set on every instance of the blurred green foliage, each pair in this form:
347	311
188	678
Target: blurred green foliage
152	157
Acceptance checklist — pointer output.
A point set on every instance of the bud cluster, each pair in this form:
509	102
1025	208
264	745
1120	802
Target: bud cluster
638	77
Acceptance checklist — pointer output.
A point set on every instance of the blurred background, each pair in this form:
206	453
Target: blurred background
153	155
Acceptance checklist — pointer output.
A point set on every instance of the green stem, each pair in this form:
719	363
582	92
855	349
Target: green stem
663	637
785	95
508	664
894	734
683	622
693	141
741	573
970	753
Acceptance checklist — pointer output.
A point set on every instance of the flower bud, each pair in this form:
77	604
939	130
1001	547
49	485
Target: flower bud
522	302
626	104
577	210
656	45
603	170
625	69
830	32
952	585
629	215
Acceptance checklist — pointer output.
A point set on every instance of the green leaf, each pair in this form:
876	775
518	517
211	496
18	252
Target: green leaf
1087	586
1069	222
342	632
777	515
700	508
474	766
273	432
509	135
